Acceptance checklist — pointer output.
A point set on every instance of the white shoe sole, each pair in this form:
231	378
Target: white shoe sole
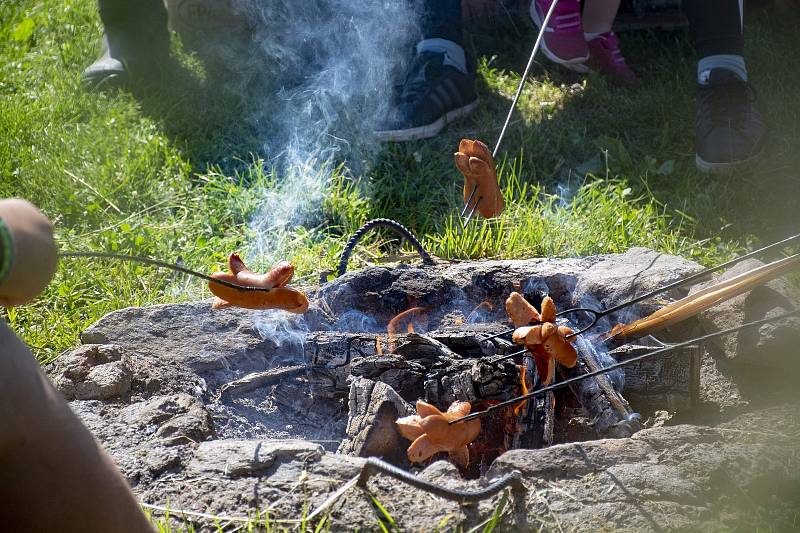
575	65
429	130
707	167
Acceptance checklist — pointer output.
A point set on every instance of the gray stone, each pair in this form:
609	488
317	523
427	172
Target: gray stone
771	345
718	389
172	418
741	475
234	458
93	372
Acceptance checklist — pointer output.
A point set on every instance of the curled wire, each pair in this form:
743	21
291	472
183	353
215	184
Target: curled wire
375	465
376	223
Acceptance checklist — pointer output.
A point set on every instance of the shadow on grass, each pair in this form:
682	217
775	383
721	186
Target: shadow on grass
641	134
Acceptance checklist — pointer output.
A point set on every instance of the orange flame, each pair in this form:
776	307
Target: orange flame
481	306
415	313
521	405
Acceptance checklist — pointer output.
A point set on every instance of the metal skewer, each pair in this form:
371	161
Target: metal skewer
472	212
514	102
161	264
600	313
662	351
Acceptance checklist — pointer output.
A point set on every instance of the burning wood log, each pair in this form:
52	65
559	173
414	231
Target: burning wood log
610	412
549	343
423	367
330	354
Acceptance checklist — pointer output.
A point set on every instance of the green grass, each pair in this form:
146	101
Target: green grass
586	168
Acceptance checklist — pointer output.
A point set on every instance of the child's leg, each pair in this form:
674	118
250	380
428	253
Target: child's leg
54	476
605	56
598	16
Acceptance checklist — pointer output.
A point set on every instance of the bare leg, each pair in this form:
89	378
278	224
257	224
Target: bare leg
598	15
54	476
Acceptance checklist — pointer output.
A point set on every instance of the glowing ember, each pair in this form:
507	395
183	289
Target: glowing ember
524	386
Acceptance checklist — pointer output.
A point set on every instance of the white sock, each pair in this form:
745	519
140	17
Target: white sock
589	36
731	62
453	53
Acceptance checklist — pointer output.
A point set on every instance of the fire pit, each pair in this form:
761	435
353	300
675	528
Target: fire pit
226	410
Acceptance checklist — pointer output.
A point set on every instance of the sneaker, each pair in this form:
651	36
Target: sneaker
563	41
729	129
433	95
606	58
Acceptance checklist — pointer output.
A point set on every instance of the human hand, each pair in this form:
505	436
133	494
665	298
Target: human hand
34	253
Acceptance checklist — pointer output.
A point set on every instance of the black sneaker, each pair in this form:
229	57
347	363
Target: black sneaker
433	95
729	129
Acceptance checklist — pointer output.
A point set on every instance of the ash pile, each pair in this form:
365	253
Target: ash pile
232	412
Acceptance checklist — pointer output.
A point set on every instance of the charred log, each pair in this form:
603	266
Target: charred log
425	368
610	412
374	407
671	383
257	380
331	357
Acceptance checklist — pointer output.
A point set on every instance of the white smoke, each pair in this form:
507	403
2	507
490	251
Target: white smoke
330	69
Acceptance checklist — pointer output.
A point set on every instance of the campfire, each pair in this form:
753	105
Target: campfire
444	378
412	357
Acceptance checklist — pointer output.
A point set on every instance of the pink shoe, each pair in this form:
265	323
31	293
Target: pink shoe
563	40
606	58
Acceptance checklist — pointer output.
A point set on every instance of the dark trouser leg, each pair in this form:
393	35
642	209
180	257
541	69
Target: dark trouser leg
143	18
441	19
729	129
716	30
135	39
715	26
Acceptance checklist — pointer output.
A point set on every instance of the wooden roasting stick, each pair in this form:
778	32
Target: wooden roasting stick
697	303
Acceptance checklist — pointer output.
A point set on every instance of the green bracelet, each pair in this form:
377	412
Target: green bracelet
6	250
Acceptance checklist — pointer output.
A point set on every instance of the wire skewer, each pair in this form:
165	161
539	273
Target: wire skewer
610	368
515	101
472	211
162	264
469	201
600	313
